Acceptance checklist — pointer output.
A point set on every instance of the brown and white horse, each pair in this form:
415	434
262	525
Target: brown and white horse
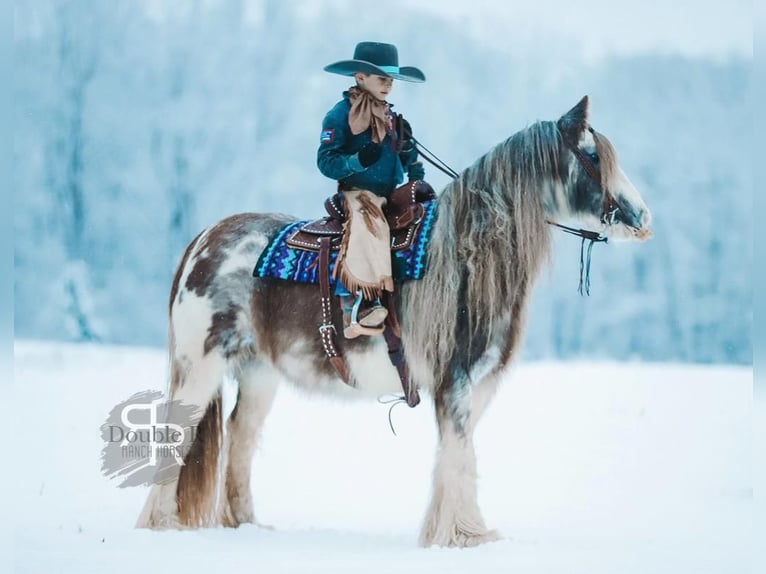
461	325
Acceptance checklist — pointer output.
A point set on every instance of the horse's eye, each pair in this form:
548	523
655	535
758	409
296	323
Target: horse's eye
593	157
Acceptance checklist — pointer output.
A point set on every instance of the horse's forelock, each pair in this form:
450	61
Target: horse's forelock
607	160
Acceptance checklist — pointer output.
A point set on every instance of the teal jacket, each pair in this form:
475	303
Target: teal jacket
337	157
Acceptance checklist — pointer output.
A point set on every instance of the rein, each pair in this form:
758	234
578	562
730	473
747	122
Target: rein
592	237
607	217
434	160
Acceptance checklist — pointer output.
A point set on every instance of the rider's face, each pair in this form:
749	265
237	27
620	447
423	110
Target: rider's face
378	86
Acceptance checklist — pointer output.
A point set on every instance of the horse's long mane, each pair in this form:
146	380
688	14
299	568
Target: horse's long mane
489	242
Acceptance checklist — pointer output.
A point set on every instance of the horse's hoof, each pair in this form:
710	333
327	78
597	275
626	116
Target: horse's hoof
471	540
462	539
165	523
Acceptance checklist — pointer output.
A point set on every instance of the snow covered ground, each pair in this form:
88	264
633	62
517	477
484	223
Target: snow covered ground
592	468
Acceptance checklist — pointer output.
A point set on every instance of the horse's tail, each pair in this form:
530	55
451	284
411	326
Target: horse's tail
190	500
198	481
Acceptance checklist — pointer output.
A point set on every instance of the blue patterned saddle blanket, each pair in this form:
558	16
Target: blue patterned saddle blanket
281	261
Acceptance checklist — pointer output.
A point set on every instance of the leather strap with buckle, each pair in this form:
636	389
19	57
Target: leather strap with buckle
327	330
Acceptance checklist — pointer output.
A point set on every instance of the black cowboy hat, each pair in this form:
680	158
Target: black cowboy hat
378	59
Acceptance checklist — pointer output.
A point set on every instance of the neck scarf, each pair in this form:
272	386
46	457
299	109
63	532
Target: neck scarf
368	112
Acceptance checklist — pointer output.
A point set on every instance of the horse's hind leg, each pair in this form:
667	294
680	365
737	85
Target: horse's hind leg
257	387
189	498
453	517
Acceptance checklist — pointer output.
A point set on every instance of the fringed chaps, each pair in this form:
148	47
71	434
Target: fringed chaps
364	261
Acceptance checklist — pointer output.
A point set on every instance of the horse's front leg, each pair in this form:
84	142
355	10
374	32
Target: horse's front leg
453	517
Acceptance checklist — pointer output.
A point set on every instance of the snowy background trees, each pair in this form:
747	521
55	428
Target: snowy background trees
138	122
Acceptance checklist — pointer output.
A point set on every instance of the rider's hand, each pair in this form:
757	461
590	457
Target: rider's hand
416	171
370	153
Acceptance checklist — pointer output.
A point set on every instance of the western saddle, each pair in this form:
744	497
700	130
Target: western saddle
404	212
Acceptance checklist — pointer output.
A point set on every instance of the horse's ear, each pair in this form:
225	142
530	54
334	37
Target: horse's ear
575	120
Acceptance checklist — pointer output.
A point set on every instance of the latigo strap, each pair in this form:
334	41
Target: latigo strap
327	328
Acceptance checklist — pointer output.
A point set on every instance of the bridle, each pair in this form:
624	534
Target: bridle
608	213
610	210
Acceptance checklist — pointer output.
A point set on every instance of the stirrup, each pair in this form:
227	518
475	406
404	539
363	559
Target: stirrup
355	330
370	324
372	317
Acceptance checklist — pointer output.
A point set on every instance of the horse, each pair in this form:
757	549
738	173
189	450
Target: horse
461	325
